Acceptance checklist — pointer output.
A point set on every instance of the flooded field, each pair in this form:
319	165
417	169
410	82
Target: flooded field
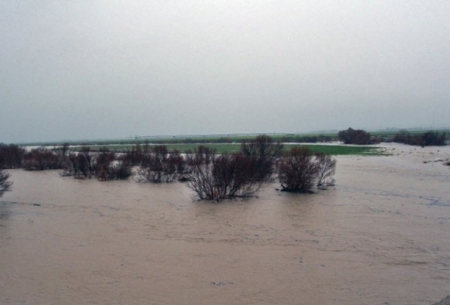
380	236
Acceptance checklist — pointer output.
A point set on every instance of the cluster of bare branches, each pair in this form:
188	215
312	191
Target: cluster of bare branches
224	177
80	165
300	170
5	185
104	165
216	177
158	165
327	169
211	176
42	159
265	151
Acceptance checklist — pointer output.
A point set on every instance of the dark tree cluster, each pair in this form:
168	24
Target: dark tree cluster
11	156
354	136
429	138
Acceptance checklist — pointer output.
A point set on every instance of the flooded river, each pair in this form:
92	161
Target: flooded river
380	236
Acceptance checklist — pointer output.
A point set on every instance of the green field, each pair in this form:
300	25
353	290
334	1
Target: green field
230	143
224	148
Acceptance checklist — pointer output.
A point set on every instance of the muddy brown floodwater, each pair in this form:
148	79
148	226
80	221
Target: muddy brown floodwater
380	236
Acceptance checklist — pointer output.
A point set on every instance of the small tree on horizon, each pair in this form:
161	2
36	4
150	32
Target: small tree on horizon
354	136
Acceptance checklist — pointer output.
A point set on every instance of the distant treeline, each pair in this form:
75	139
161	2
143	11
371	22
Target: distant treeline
429	138
361	137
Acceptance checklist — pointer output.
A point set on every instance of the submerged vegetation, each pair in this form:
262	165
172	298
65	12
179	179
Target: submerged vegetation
300	170
214	168
212	175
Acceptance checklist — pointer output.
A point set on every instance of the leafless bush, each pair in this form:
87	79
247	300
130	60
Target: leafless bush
134	156
103	165
162	166
327	168
5	185
200	155
81	164
265	151
11	156
225	177
42	159
122	171
103	168
116	170
297	170
262	145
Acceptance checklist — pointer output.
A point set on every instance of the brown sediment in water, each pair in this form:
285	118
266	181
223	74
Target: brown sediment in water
380	236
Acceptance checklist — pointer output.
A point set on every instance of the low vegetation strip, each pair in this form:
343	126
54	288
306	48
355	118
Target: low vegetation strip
349	136
229	148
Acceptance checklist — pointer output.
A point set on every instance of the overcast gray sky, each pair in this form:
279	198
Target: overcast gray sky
114	69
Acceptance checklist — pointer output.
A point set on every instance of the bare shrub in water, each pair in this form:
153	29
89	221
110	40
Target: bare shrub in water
265	151
225	177
103	165
160	165
5	185
200	155
327	169
11	156
134	156
80	165
42	159
119	170
301	171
